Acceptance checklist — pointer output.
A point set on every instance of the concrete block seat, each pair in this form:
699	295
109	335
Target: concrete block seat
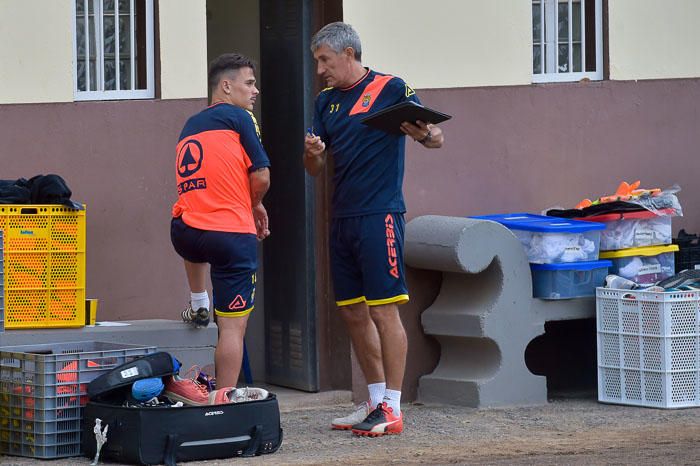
484	315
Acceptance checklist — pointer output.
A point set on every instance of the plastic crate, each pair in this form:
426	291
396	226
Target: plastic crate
648	348
2	288
570	280
644	266
44	266
551	240
634	229
43	389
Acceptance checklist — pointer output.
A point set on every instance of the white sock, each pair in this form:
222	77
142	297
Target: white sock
376	393
393	400
199	300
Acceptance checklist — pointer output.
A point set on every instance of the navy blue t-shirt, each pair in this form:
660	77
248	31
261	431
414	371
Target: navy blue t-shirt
369	163
217	150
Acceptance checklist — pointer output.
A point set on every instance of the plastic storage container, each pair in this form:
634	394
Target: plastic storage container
570	280
644	266
551	240
648	348
43	389
634	229
44	266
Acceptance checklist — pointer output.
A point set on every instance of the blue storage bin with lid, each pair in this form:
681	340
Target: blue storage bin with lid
568	280
552	240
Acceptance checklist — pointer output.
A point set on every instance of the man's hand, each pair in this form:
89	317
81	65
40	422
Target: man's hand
262	225
314	154
427	134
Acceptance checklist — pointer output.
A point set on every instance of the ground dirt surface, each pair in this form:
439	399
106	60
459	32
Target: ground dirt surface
566	431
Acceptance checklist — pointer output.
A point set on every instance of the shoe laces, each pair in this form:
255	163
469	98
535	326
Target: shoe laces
245	394
192	374
378	413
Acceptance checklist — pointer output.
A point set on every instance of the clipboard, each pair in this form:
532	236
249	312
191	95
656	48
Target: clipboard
390	118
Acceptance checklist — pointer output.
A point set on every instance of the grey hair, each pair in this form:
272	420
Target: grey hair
338	36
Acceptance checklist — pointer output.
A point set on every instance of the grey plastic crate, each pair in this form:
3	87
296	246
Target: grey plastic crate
43	389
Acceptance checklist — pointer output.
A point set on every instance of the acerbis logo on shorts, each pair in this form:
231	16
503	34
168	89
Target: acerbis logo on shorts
213	413
237	303
390	246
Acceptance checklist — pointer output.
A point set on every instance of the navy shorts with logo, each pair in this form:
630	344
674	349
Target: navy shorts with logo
233	259
366	255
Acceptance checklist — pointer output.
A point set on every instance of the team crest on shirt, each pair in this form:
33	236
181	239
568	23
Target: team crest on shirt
366	99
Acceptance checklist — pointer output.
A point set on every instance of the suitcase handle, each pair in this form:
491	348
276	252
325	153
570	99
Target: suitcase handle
172	444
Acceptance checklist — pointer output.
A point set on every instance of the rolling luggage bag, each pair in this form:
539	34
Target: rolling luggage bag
157	435
141	434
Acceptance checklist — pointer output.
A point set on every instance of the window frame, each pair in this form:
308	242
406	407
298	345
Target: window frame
552	19
121	94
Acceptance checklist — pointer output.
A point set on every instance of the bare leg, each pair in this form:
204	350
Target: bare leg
229	350
394	343
365	340
196	276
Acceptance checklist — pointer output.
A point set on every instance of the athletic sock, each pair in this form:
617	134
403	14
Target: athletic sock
393	400
199	300
376	393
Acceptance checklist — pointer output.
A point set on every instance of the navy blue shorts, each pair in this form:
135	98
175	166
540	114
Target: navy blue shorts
367	259
233	259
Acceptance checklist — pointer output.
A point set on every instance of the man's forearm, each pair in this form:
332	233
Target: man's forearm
314	163
259	184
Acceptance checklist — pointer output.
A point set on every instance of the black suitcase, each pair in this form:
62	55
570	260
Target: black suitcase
157	435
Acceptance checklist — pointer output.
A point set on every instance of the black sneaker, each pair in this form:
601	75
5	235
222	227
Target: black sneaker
200	317
381	421
686	277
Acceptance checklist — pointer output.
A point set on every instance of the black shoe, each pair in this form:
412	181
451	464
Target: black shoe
200	317
381	421
686	277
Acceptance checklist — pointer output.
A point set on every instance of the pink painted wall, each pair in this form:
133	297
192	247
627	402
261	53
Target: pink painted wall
528	148
118	158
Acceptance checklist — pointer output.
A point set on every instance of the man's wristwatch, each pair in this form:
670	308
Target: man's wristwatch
427	138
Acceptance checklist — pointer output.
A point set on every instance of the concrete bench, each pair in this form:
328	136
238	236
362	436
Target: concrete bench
484	315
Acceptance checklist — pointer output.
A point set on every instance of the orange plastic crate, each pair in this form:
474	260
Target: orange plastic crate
44	266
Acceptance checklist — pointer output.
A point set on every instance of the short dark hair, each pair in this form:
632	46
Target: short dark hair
227	62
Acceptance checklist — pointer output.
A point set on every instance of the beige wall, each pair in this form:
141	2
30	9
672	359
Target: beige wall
654	39
183	48
36	51
446	43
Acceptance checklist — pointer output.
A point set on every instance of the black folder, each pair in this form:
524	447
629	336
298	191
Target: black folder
390	118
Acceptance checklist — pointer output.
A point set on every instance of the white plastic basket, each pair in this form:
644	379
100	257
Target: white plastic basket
648	348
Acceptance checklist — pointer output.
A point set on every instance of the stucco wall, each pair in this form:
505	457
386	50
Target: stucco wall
183	49
36	51
117	157
528	148
654	39
446	43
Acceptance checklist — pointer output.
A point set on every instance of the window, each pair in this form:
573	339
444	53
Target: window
567	40
113	49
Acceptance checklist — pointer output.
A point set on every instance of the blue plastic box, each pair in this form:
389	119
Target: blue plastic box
551	240
571	280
